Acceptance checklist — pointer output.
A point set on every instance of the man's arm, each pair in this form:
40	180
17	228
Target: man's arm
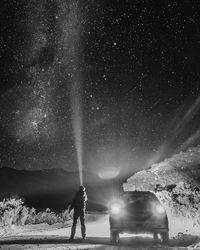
86	197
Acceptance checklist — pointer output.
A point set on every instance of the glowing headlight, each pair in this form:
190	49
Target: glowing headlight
159	209
115	208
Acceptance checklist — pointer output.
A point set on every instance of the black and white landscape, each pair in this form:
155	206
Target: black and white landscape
103	93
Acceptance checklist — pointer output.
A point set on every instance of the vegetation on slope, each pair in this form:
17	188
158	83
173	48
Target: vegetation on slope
176	182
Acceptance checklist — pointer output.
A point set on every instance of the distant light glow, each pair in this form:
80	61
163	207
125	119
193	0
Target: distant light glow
109	173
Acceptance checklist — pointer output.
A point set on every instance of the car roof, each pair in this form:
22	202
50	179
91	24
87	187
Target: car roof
139	193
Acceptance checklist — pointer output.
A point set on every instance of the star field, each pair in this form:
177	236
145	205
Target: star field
137	64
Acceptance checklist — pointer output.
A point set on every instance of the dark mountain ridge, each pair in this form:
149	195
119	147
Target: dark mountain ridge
54	188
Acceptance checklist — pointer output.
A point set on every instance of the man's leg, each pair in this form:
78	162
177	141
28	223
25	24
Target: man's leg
73	230
83	228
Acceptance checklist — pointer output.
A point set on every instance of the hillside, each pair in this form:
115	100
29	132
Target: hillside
182	167
176	182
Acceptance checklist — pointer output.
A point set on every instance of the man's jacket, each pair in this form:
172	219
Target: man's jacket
79	201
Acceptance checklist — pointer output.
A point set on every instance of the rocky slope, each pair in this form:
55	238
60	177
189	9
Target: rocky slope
182	167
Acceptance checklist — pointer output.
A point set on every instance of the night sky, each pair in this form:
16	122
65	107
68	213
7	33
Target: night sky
135	65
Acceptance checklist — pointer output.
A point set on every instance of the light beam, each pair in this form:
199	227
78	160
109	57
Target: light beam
76	80
76	104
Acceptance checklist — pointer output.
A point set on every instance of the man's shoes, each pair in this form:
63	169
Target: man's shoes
84	237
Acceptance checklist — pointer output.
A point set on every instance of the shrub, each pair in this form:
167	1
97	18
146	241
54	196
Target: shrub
14	212
182	203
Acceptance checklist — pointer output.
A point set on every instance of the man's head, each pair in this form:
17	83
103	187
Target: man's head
82	189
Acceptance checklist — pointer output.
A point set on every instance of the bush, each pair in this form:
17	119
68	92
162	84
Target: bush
14	212
50	217
182	203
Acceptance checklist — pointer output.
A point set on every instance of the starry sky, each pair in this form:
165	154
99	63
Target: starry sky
133	65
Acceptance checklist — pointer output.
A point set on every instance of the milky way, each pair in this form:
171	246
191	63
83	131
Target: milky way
136	64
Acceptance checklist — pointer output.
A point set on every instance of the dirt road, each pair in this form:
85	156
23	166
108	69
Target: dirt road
56	237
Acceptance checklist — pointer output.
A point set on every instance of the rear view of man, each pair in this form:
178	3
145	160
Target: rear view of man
79	205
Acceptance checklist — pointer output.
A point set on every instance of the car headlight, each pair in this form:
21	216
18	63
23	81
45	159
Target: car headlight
159	209
115	208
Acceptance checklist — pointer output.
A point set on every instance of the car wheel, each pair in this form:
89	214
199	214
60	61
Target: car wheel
114	237
165	237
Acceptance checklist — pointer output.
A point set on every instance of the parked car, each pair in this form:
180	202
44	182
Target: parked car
138	212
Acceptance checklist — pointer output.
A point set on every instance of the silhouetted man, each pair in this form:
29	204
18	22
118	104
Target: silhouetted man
79	205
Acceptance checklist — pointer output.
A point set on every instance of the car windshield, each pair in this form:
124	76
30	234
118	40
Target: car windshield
130	198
